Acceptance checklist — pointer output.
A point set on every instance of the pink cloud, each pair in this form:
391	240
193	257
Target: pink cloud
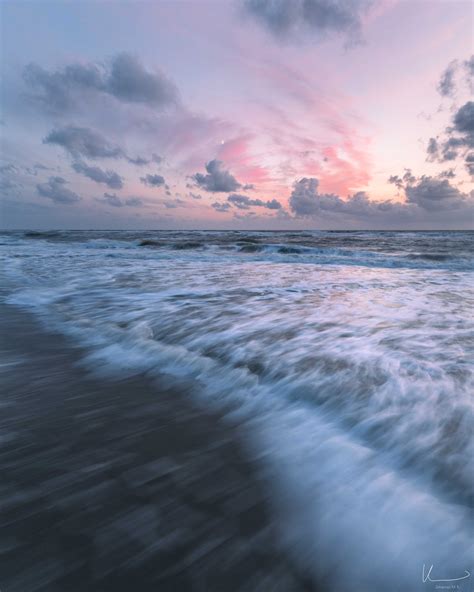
313	130
238	155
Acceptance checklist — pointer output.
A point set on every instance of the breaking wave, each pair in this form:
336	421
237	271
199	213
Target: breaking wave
346	356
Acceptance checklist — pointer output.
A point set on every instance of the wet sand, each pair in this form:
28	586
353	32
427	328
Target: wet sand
114	486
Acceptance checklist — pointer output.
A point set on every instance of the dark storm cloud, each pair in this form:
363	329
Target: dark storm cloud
56	190
432	148
450	79
57	90
470	163
134	202
431	193
308	18
305	199
458	139
469	68
95	105
464	121
142	161
111	199
109	178
447	174
423	195
396	180
138	160
129	81
434	194
221	207
244	203
83	141
446	85
171	204
153	180
400	182
217	178
123	78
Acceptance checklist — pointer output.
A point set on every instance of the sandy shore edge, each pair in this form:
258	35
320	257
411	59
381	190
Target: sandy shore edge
119	485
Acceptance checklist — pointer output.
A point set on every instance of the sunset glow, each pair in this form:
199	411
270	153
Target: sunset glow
207	81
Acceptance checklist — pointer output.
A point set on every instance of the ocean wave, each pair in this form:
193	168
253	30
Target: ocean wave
353	379
427	250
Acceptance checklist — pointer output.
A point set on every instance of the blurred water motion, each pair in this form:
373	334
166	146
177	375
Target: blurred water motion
236	411
119	485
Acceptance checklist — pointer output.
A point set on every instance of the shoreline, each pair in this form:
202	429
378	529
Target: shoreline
115	485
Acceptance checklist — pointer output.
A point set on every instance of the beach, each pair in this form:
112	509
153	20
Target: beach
237	296
236	410
117	485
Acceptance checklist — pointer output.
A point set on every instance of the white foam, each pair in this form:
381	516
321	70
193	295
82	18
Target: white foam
354	383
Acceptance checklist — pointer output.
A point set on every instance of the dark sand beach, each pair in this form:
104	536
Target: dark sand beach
111	486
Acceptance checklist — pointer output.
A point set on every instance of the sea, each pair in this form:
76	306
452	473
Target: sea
346	357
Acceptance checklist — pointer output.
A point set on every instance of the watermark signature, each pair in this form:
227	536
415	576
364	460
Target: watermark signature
426	576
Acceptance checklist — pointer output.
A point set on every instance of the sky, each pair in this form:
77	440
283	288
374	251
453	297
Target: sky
232	114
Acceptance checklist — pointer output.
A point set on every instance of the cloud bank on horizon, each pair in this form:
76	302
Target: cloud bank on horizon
276	114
